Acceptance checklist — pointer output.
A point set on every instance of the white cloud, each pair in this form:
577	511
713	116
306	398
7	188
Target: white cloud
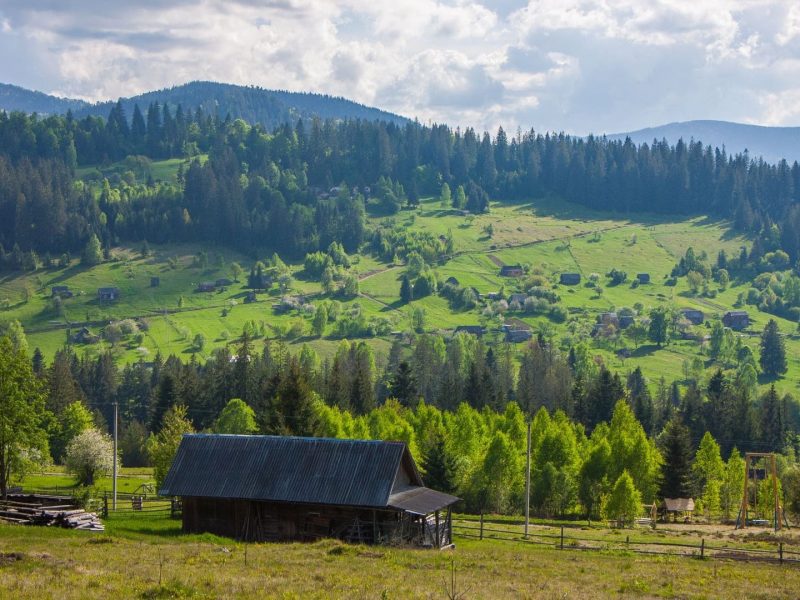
577	65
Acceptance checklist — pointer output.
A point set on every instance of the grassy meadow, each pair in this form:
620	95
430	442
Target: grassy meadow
547	235
148	557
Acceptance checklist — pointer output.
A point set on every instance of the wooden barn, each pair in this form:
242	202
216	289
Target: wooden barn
512	271
569	278
470	329
736	319
694	316
108	294
61	291
260	488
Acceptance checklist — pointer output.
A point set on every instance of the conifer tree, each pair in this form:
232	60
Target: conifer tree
440	466
676	468
773	352
406	291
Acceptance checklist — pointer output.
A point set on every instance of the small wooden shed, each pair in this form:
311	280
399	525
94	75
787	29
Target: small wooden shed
512	271
643	277
108	294
677	507
736	319
470	329
61	291
694	316
155	281
261	487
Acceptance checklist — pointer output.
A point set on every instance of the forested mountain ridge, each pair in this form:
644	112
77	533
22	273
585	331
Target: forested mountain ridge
268	188
770	143
13	97
269	108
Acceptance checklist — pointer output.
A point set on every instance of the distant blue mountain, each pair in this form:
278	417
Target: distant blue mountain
771	143
253	104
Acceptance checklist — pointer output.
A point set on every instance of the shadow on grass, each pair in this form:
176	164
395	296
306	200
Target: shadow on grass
645	350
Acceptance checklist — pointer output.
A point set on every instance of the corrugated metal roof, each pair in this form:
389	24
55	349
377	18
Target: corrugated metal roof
288	469
421	500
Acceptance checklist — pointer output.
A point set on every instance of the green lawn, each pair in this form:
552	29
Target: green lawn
148	557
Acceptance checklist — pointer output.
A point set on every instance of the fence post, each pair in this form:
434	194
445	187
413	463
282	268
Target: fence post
702	547
172	507
780	552
562	537
105	505
481	535
627	541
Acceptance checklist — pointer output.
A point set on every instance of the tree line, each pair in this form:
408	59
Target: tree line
461	407
280	188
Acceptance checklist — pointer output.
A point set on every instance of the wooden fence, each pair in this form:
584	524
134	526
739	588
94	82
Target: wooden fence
129	505
565	540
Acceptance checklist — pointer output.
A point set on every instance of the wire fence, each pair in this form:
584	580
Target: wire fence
781	552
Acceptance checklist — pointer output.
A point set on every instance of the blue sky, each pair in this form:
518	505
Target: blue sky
571	65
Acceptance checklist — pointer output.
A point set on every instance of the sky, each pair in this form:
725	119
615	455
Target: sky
567	65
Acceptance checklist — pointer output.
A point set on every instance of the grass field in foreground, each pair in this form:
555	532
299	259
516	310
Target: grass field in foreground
150	558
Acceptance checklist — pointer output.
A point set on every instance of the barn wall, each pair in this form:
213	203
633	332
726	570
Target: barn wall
265	521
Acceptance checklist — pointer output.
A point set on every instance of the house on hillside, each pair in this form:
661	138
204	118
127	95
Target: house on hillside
108	294
516	330
261	488
512	271
569	278
85	336
206	286
518	298
608	318
62	291
470	329
643	277
736	319
517	336
694	316
626	321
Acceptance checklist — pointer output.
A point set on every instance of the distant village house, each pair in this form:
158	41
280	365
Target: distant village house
570	278
470	329
736	319
511	271
62	291
694	316
108	294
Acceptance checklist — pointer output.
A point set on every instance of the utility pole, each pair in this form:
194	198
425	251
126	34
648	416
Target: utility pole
114	483
528	480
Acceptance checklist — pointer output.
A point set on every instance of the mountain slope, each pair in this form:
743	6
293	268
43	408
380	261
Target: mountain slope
253	104
13	97
771	143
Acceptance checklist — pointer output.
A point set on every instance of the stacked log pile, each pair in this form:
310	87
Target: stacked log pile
35	512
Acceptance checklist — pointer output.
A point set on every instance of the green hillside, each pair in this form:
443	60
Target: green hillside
546	237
